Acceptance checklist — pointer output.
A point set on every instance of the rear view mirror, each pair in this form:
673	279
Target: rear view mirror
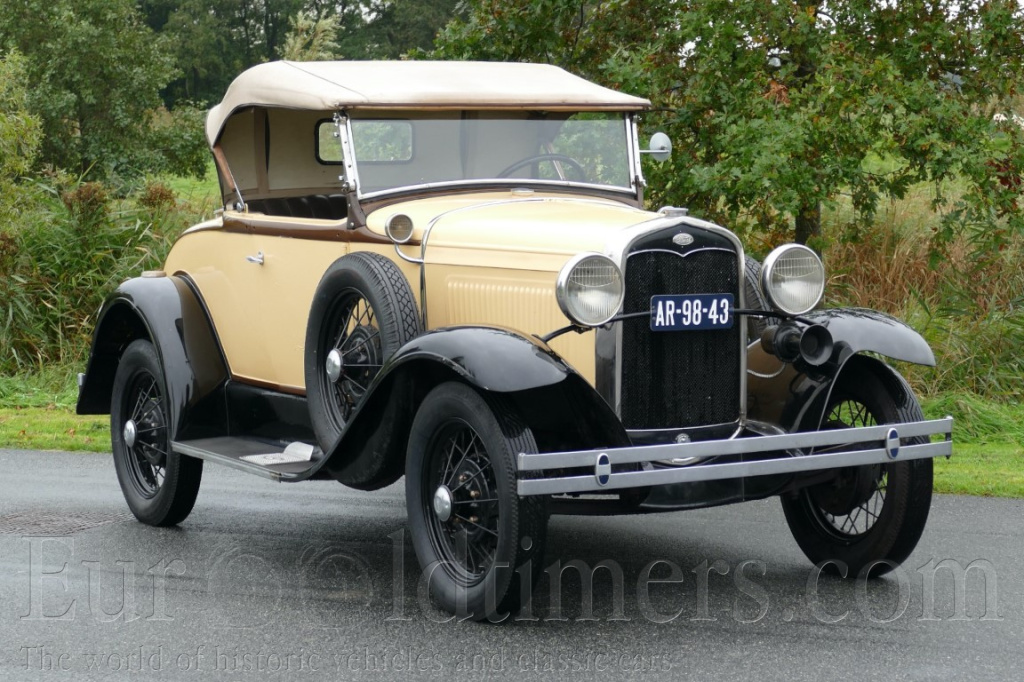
661	147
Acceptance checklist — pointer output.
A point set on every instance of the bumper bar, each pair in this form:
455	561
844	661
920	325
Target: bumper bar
845	447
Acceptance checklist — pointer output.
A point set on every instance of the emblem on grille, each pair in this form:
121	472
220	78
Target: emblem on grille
683	239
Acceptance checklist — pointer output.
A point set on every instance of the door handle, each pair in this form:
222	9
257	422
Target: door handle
257	259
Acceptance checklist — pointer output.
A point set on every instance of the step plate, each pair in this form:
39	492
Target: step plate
250	455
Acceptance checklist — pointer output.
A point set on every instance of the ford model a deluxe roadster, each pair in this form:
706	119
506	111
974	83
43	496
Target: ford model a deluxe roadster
446	271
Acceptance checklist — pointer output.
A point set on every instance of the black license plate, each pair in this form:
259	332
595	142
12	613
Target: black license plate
692	311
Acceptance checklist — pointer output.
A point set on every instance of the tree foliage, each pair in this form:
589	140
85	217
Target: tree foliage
19	130
779	107
96	72
311	39
213	40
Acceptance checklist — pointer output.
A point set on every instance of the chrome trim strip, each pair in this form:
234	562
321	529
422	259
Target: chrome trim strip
408	259
854	439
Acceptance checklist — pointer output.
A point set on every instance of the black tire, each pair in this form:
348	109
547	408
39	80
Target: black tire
477	560
159	485
755	300
364	309
871	517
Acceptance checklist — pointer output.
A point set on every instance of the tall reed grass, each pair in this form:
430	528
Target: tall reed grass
63	250
967	302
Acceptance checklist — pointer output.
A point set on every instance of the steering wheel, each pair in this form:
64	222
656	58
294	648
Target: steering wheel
536	158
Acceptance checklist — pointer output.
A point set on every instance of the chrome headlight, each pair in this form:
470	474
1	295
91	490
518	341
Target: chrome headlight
793	279
589	289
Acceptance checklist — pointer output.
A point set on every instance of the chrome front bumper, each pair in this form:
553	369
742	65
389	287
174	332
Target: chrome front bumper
847	447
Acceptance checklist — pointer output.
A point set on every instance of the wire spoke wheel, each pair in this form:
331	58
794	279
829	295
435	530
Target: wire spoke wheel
159	485
479	544
363	311
460	470
145	434
356	346
867	519
852	508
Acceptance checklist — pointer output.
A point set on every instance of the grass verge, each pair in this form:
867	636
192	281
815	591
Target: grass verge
53	428
988	459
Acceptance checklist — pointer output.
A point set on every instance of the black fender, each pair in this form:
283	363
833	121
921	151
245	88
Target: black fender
864	330
796	401
559	405
168	312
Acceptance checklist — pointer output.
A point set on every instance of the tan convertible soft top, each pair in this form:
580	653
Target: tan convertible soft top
325	86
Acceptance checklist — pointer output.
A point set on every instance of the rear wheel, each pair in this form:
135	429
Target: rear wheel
159	485
869	517
479	544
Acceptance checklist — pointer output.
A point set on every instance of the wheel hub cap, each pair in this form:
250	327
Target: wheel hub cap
130	433
443	503
335	364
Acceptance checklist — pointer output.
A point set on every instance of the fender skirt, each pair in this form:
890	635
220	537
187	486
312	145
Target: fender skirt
168	312
557	403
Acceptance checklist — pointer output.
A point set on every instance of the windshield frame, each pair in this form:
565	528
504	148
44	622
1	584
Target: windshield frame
352	183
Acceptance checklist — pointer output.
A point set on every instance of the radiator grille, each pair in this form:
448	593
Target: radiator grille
678	379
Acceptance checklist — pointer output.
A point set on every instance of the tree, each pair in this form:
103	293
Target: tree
212	41
19	130
96	72
395	28
311	39
778	107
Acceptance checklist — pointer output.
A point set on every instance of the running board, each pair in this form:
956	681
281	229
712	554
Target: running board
253	456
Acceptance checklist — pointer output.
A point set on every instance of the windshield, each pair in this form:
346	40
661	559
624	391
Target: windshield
413	149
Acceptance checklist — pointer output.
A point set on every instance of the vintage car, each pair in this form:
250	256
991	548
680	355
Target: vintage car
445	270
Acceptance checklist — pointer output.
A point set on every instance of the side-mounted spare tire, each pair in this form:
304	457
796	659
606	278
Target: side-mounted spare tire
363	311
755	300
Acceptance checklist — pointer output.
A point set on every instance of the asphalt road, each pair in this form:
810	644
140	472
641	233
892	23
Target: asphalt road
315	581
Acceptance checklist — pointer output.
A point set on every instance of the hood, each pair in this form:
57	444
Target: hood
544	225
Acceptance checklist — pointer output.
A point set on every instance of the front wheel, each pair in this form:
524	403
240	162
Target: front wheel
869	517
479	544
159	485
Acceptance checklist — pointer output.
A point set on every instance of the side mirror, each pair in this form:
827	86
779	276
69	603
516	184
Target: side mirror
661	147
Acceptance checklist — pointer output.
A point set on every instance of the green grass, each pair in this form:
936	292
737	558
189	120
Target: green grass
984	469
196	191
53	428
